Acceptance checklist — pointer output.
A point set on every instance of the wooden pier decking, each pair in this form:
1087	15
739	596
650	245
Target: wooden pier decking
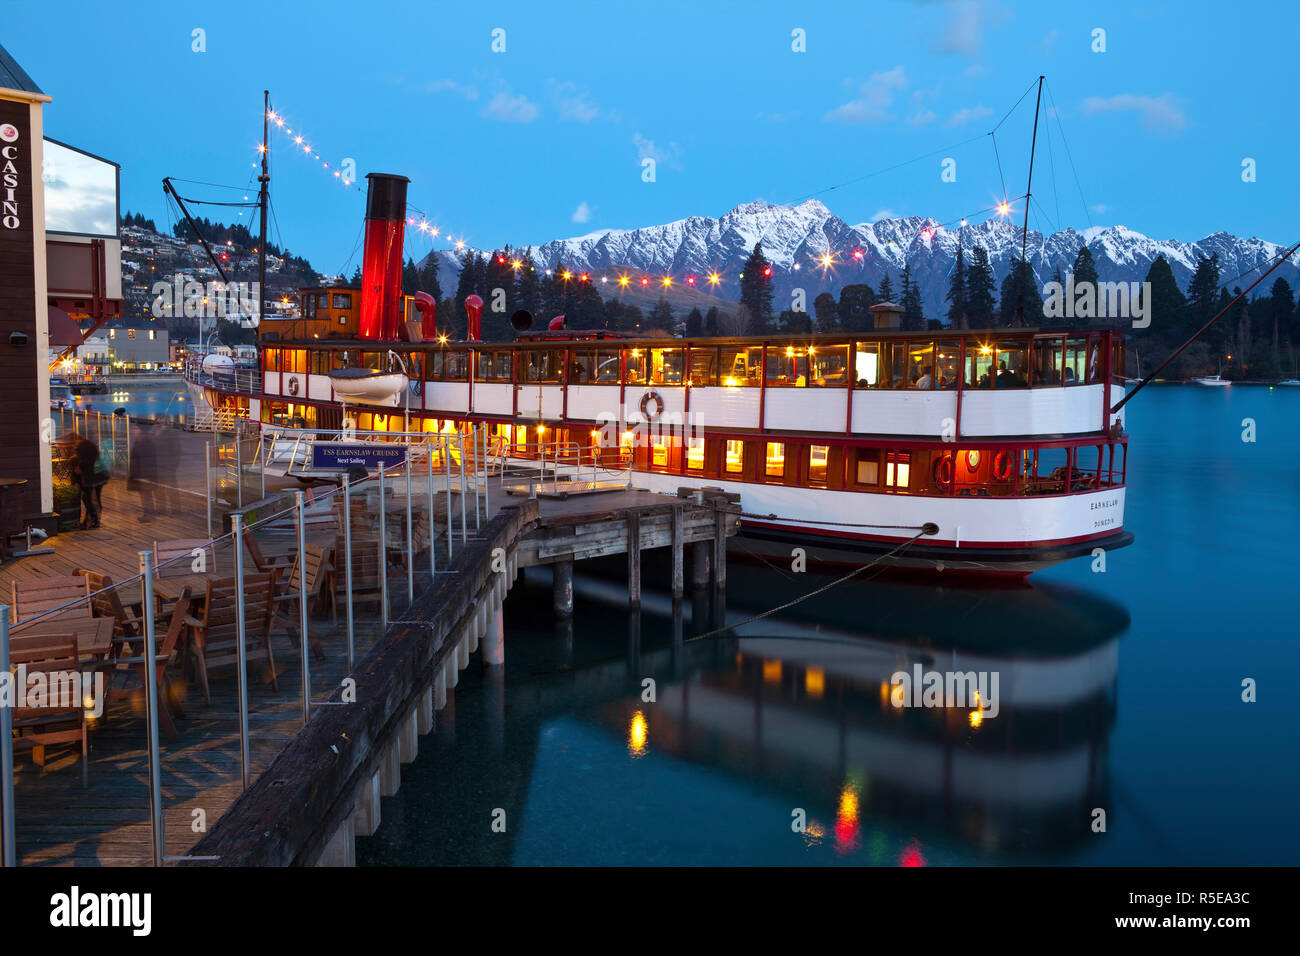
108	822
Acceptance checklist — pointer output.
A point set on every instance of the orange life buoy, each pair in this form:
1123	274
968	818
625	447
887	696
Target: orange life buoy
659	405
943	470
293	384
1002	466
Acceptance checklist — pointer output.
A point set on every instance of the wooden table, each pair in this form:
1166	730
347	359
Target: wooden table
94	634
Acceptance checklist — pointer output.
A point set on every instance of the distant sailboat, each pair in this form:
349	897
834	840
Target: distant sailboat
1213	380
1293	380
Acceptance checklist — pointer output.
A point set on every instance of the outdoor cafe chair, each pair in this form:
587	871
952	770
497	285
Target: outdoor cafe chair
51	721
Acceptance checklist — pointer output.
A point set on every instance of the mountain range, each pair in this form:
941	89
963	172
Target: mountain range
796	237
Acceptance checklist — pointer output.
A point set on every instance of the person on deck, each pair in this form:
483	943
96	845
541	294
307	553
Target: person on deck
85	453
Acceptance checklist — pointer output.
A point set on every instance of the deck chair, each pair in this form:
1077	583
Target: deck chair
31	598
177	550
365	569
127	674
287	606
215	629
63	719
265	563
105	602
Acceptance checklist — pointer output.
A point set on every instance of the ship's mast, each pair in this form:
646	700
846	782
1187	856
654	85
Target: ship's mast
1024	233
263	198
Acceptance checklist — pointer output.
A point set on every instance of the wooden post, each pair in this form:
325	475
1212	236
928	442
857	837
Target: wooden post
634	559
720	552
494	642
678	571
700	564
562	593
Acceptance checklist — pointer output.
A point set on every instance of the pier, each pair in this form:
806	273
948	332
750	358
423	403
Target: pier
410	623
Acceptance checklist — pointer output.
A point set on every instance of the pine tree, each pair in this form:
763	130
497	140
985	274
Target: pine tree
355	282
979	290
694	324
1167	307
913	319
756	286
957	293
1085	270
886	289
1021	303
661	319
711	321
854	308
1203	293
410	278
824	309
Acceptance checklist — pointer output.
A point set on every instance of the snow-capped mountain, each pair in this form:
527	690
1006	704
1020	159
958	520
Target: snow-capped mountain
796	237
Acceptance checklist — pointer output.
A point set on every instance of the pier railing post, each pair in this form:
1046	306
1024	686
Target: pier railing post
8	849
464	524
478	465
383	551
446	466
410	546
487	509
151	710
239	472
300	504
433	561
347	563
241	651
207	482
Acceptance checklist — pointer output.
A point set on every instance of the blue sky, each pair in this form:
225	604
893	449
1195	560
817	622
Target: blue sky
546	139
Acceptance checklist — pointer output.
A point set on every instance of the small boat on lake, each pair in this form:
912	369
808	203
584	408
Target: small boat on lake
1213	380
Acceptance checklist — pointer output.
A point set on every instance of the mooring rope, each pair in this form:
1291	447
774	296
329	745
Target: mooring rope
840	524
811	594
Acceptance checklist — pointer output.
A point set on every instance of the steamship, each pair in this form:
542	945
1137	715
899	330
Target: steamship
998	447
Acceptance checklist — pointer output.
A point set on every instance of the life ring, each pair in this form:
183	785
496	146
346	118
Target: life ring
659	405
293	384
943	470
1002	466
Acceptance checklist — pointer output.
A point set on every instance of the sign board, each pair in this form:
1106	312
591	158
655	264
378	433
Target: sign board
343	456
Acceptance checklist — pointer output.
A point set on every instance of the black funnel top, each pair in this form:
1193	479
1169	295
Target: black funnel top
386	197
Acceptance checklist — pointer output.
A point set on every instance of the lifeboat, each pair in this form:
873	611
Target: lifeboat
219	366
368	384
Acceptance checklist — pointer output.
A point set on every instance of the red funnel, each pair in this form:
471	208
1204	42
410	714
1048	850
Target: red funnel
381	263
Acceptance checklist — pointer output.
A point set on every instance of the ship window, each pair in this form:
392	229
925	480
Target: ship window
521	437
897	469
704	363
866	365
739	366
920	365
1012	365
947	356
786	365
867	466
637	361
775	466
308	307
828	365
454	367
666	366
1047	362
130	333
735	458
981	365
659	451
607	366
341	300
817	458
318	363
895	371
695	453
581	363
273	360
322	300
1075	360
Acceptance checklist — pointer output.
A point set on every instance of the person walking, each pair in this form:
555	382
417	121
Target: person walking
85	453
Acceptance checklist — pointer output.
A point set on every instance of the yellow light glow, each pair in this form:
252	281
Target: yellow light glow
568	276
771	672
1004	208
442	339
985	350
516	264
827	261
638	732
668	280
814	682
976	718
730	381
541	429
789	351
623	280
715	278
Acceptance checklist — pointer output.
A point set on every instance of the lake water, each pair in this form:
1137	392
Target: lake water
1119	691
140	399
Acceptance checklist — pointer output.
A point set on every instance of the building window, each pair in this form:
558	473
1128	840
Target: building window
112	333
817	458
342	301
868	467
153	335
695	454
735	456
775	467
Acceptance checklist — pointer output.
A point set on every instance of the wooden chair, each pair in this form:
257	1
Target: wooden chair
215	629
288	609
176	550
62	720
127	674
365	570
36	597
105	602
265	563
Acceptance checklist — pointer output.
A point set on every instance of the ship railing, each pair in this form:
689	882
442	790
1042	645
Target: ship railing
534	467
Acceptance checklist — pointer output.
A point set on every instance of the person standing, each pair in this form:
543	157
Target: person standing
85	453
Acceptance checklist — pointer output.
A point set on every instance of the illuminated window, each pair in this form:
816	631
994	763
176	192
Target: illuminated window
817	459
897	470
735	456
130	333
342	301
659	452
775	459
521	437
153	335
112	333
695	453
868	471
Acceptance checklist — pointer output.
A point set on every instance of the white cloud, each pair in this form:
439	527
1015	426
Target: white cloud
875	96
582	213
1157	113
1049	40
967	114
574	104
1100	208
880	214
511	109
451	86
963	33
646	149
920	119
